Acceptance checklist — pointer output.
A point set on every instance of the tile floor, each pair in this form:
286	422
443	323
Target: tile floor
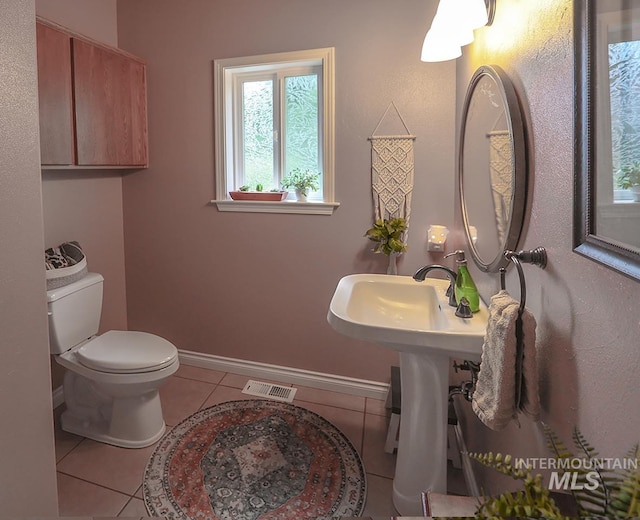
99	480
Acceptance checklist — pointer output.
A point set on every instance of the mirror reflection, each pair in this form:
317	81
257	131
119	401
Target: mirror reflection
617	71
492	170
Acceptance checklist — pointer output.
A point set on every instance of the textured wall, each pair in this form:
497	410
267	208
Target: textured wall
256	286
588	326
27	470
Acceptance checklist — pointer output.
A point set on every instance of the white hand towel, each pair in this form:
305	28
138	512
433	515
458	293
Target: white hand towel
495	399
529	398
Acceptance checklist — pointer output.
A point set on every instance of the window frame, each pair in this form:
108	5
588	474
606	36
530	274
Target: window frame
227	73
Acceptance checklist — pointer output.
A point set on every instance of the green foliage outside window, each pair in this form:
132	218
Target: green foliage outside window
624	85
301	123
258	132
301	129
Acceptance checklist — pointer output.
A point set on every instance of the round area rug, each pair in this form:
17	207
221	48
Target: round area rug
254	459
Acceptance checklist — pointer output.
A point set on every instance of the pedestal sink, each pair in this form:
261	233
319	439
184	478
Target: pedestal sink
415	319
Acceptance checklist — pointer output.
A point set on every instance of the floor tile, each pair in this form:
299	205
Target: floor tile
182	397
375	459
326	397
79	498
379	501
100	480
135	508
116	468
223	394
200	374
377	407
349	422
64	441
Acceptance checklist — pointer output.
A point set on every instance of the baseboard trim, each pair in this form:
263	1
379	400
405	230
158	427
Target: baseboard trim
334	383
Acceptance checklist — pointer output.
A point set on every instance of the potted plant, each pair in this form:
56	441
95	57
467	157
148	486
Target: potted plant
599	487
246	193
388	237
301	182
628	178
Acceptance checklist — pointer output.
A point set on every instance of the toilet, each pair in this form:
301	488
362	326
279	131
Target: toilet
112	380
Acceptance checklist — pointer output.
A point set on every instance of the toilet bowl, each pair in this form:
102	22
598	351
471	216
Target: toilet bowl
111	387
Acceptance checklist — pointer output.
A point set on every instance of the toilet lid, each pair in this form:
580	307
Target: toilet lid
119	351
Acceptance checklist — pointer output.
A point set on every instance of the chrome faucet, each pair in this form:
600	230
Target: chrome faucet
421	274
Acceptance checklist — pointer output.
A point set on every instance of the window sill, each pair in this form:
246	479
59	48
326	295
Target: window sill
256	206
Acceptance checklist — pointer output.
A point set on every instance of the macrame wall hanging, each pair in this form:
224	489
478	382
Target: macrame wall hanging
392	175
501	169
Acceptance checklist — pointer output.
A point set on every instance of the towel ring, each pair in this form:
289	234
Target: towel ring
536	256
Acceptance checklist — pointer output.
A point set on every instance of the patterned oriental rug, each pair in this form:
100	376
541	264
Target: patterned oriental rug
254	459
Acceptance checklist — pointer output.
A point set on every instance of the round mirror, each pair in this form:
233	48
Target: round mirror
492	167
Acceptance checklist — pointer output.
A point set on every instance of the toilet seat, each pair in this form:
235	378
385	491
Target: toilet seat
126	352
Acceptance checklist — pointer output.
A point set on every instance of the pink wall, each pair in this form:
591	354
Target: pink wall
96	19
257	286
27	470
87	205
588	324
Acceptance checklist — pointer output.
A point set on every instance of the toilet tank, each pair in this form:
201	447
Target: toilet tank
74	312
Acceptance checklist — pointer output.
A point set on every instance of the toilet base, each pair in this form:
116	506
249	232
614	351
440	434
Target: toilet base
73	425
129	416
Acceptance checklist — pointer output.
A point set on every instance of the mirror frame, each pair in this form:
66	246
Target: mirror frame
515	123
586	241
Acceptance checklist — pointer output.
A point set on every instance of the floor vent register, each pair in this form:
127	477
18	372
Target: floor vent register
270	391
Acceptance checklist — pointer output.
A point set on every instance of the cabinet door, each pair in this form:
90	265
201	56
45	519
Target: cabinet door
110	107
55	96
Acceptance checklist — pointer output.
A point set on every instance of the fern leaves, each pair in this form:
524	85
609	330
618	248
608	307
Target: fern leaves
534	501
600	487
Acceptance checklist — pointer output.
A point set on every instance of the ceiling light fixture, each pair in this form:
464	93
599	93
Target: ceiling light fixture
453	27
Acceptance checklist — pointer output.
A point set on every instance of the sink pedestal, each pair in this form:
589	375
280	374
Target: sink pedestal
421	463
416	320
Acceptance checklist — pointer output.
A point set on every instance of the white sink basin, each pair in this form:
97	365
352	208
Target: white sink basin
415	319
405	315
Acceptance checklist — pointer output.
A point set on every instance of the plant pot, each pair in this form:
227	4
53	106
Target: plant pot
635	190
274	196
300	196
393	266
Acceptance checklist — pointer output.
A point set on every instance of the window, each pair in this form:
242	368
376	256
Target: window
624	65
617	53
273	114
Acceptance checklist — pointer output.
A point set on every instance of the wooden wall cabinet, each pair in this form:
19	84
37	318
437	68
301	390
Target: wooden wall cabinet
55	93
93	103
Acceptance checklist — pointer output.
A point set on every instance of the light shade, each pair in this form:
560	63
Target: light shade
453	27
473	14
438	46
442	41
